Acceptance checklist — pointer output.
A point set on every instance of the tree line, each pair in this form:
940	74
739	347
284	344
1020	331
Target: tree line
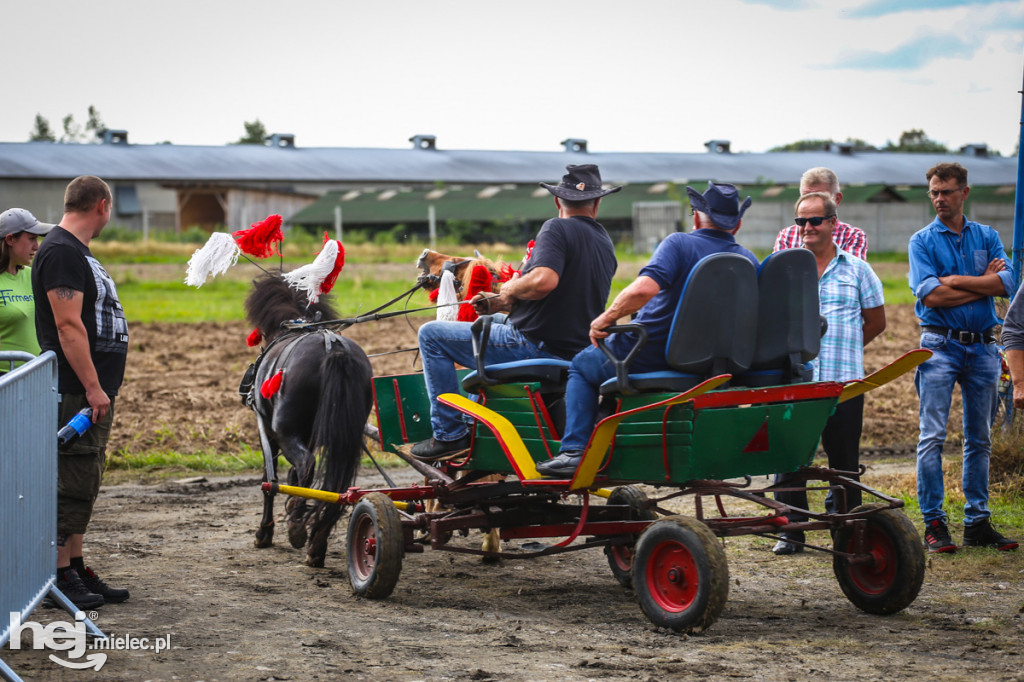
910	141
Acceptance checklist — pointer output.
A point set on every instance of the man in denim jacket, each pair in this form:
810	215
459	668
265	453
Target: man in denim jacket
957	267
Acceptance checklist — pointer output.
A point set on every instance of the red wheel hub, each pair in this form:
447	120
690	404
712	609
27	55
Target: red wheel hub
879	575
672	576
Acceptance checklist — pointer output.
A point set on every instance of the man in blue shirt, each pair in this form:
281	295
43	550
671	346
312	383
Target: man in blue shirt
956	268
655	294
852	304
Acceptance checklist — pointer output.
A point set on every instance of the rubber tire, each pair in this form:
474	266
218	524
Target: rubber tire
674	543
620	557
890	584
376	546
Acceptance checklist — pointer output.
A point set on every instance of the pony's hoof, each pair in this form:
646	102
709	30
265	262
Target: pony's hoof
263	542
314	562
297	536
489	560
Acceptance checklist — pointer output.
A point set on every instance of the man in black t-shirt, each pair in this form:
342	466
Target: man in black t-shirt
79	317
563	286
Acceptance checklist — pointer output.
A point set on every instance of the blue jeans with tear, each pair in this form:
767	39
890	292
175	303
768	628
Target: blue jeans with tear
975	367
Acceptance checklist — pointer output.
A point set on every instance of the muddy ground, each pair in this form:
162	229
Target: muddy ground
234	612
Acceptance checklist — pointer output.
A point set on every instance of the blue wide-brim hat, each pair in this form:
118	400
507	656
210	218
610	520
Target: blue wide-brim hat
721	202
580	183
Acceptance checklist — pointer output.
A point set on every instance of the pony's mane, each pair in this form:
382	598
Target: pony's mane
273	301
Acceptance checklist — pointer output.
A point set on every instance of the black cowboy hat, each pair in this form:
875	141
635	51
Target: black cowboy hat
581	183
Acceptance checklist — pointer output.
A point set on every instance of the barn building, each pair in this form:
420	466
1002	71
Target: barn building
174	187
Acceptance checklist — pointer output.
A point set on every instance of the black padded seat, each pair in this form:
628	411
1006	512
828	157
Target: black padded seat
548	371
713	331
788	320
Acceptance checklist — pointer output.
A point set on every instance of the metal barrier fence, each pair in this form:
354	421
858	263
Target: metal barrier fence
28	494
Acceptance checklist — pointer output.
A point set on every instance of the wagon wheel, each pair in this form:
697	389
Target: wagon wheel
620	557
893	578
376	545
681	575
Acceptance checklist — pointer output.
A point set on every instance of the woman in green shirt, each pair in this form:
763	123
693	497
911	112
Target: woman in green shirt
19	240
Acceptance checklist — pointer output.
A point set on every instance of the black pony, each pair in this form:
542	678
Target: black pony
318	410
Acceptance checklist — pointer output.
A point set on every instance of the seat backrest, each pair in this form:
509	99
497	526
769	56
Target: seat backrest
789	323
714	328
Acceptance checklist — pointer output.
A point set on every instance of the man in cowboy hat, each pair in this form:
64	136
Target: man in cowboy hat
654	296
564	284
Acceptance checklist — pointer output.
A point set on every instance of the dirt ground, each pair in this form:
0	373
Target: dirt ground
234	612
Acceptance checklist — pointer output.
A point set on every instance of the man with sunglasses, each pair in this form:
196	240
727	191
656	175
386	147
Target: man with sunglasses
849	238
957	267
851	301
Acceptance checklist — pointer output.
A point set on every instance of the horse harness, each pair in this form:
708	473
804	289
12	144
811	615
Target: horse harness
247	387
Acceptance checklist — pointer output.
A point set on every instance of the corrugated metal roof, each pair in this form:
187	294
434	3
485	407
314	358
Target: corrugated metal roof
492	203
257	163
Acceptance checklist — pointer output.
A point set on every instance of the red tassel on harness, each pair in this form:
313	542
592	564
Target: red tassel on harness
261	239
272	385
339	263
480	280
254	339
433	295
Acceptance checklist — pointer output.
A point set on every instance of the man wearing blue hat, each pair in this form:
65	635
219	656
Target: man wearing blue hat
654	296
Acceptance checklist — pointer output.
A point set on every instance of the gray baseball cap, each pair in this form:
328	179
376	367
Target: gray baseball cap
15	220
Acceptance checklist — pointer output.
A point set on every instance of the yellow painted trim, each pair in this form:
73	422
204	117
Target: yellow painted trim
509	439
605	431
309	493
893	370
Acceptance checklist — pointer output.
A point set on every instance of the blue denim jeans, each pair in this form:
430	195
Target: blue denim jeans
589	369
443	344
976	368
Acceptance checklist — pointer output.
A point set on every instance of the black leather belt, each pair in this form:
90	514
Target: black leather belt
987	336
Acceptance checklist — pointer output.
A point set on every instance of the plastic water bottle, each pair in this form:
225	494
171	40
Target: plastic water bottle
75	427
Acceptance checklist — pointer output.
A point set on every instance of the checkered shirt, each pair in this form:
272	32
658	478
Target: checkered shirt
847	237
847	287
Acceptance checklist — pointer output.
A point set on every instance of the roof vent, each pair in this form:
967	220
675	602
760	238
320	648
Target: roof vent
718	146
575	144
979	150
283	140
841	148
423	141
115	136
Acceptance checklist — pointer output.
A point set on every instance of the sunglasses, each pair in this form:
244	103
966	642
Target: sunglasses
815	221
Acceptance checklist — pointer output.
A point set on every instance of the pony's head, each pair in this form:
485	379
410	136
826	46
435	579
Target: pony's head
272	301
431	264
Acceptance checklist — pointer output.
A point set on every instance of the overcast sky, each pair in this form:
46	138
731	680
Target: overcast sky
628	75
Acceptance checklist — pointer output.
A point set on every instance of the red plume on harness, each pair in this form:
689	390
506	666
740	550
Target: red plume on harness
254	339
339	263
272	385
261	239
506	269
480	280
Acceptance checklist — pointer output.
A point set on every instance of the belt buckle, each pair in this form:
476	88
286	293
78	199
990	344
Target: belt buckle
965	337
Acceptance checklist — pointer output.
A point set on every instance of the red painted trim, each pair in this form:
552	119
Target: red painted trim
774	394
594	528
579	526
376	413
534	398
664	443
401	412
547	419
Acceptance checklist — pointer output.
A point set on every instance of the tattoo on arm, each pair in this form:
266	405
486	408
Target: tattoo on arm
66	293
62	539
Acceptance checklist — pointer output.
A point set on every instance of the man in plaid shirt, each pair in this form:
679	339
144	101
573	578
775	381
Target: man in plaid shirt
849	238
851	301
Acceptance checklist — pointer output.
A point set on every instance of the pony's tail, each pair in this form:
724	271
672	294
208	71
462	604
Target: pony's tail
345	401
